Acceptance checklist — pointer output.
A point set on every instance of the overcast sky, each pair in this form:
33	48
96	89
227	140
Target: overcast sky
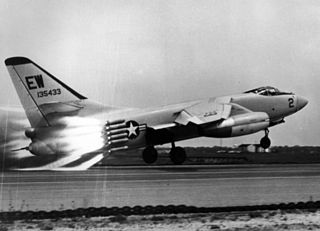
149	53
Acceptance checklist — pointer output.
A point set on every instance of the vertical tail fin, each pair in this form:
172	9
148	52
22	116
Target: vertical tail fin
35	86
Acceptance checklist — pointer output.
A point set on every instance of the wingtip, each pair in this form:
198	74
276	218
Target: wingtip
17	61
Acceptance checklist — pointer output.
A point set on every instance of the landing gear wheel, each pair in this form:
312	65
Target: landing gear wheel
150	155
178	155
265	142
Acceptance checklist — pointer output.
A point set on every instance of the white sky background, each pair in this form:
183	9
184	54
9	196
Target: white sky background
149	53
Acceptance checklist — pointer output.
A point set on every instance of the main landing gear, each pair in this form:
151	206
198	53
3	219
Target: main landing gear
150	155
177	155
265	142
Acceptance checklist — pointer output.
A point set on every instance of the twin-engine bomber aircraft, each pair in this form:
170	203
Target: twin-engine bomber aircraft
76	133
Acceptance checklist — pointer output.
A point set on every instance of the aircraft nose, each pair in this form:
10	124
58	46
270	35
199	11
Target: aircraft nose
301	102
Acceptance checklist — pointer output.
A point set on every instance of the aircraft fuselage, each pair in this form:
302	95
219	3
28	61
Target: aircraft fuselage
65	124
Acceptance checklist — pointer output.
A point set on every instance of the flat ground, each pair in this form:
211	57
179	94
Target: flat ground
208	186
255	220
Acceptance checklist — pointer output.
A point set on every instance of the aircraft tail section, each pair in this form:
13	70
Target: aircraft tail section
35	87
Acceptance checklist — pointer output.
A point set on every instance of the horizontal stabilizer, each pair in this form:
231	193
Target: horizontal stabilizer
58	107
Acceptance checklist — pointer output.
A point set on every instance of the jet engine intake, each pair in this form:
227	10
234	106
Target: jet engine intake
237	125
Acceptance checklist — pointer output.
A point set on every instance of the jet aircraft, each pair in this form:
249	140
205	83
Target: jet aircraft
72	132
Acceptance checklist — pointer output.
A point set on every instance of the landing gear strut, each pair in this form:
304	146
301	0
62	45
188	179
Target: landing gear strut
177	155
150	155
265	142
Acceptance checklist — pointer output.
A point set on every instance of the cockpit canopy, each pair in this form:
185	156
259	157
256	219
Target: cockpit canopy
267	91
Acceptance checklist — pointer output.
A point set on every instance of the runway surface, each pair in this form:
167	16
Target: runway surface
189	185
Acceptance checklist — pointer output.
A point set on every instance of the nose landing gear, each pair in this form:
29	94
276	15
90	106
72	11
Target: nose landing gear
265	142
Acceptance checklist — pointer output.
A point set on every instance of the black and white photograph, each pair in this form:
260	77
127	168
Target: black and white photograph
185	115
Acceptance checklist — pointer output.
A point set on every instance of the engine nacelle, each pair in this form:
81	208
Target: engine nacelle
30	133
40	148
238	125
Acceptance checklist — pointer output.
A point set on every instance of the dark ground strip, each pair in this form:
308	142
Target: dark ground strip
149	210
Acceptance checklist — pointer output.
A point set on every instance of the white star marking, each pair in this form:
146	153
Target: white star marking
132	130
